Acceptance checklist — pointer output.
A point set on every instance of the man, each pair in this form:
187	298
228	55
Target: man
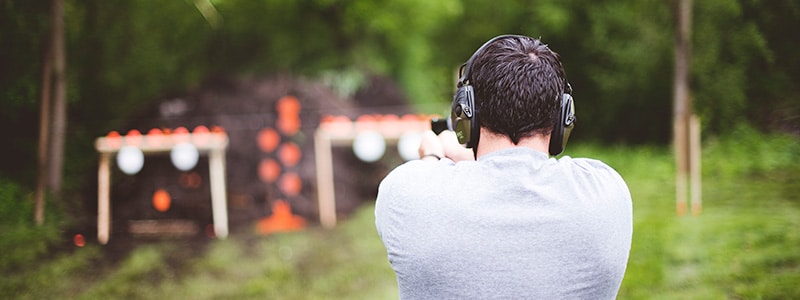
505	220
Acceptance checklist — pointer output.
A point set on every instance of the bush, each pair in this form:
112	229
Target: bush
747	151
22	242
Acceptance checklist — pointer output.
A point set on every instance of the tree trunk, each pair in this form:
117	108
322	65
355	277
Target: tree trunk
58	133
44	135
53	113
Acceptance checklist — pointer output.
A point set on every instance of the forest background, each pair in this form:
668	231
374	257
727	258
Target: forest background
619	57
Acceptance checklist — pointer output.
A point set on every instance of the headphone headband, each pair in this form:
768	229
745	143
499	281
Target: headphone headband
465	113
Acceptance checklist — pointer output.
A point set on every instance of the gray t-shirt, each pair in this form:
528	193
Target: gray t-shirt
515	224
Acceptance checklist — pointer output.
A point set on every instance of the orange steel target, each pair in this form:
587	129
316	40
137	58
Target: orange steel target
161	200
268	140
269	170
288	155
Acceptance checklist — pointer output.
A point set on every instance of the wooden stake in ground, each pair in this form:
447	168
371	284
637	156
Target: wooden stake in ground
695	177
685	124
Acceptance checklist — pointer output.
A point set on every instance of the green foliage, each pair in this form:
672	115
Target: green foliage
614	54
742	63
147	265
309	38
22	36
57	277
131	53
21	242
745	151
619	58
618	55
32	256
745	244
622	75
720	61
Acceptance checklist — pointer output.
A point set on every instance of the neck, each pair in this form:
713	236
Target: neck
491	142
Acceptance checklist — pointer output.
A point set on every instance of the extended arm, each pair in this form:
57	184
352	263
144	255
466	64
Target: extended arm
446	144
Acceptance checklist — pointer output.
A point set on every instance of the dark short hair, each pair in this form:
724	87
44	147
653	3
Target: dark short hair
518	84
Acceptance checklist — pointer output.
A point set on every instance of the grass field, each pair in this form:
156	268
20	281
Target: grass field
744	245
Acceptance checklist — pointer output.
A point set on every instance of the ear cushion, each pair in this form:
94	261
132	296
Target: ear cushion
565	122
464	113
464	117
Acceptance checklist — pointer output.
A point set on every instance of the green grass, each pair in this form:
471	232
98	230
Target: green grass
746	242
744	245
346	263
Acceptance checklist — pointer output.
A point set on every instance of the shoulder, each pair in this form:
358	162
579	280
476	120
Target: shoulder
604	190
404	191
412	178
596	171
589	165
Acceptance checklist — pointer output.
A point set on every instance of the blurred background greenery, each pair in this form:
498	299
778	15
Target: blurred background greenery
123	55
618	56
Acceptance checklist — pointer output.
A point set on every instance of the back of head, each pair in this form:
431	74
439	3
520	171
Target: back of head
518	83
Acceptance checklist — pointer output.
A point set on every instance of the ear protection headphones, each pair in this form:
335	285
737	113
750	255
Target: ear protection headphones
464	113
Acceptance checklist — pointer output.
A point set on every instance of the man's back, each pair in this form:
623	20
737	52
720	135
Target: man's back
514	224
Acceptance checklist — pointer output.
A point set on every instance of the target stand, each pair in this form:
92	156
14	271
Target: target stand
369	132
133	146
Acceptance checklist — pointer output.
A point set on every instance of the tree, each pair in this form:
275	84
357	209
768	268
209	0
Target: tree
53	114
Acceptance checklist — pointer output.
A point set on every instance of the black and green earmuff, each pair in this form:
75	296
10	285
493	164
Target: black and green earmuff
464	112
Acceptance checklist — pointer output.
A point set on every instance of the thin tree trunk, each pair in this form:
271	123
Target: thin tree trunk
53	114
44	135
58	133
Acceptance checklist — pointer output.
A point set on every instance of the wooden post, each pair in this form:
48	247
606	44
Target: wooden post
338	132
103	198
219	210
686	160
326	196
681	166
695	174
